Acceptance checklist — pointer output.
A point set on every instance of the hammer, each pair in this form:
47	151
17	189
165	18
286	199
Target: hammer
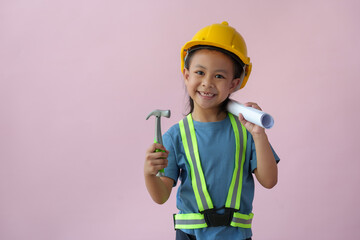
158	136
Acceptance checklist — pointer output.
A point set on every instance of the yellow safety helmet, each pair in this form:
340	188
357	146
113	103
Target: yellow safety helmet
225	37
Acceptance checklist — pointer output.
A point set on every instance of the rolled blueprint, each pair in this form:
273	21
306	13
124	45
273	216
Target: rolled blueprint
250	114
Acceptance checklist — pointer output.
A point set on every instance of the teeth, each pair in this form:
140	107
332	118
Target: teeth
206	94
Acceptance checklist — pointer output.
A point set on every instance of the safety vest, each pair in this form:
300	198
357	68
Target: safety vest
208	216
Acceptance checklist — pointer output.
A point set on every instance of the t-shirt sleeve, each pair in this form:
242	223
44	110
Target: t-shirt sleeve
172	170
253	159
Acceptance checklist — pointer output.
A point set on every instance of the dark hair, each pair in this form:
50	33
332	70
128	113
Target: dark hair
237	63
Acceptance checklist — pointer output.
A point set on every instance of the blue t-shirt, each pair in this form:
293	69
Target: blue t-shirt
216	143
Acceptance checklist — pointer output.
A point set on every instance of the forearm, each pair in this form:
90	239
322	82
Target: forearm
266	171
157	188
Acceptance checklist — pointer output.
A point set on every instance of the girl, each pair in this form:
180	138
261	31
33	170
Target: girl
214	153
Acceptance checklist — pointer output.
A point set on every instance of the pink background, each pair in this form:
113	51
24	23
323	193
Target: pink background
78	78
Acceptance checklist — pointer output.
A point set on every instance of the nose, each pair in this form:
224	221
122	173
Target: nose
207	81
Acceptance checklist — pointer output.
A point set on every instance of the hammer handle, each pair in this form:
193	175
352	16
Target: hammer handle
161	172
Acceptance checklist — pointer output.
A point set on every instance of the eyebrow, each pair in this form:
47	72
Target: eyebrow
200	66
218	70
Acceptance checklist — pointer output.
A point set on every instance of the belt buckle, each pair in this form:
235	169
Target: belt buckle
214	219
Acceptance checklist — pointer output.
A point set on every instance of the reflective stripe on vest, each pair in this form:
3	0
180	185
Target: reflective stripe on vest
203	199
197	220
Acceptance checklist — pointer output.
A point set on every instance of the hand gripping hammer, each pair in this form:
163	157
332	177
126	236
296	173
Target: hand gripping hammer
158	136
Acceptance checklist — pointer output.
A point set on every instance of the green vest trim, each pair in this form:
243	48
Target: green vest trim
207	217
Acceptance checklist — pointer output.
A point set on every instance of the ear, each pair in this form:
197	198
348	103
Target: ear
186	74
234	83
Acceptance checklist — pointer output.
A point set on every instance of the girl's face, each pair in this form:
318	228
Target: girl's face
209	79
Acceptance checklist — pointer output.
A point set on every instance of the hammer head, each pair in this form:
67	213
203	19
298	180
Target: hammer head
159	113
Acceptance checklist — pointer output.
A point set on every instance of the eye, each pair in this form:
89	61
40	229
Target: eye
200	73
219	76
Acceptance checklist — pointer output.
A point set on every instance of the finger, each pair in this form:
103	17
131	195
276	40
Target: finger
158	164
152	167
248	125
159	146
253	105
151	148
158	161
242	119
156	154
155	146
248	104
256	107
159	154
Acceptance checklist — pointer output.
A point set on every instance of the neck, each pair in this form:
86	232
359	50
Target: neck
208	115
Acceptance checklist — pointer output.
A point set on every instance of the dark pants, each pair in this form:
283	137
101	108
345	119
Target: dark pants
180	235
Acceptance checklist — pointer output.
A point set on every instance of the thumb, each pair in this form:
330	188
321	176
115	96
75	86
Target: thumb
242	119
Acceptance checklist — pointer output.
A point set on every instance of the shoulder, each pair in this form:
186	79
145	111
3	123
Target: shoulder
173	131
249	138
172	135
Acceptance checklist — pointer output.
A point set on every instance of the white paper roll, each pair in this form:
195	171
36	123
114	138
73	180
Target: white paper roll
253	115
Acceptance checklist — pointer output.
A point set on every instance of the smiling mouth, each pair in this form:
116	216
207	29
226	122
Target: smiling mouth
206	94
